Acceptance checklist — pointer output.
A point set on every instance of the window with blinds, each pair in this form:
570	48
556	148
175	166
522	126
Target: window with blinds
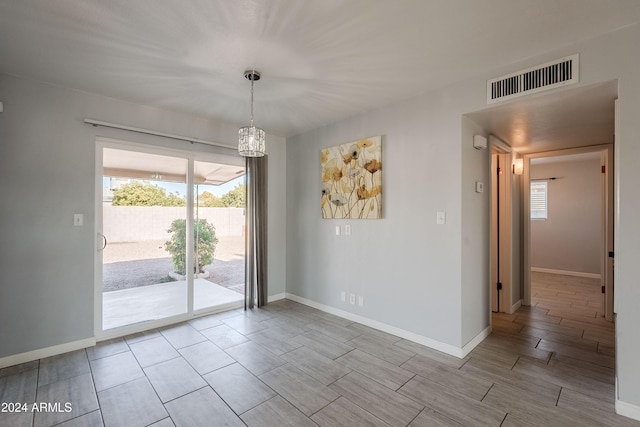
539	200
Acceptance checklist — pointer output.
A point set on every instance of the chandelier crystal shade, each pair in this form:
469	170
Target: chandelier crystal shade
251	140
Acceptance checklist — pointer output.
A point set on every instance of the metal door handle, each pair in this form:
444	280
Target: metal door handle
104	242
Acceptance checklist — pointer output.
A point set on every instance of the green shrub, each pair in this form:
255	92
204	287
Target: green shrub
204	241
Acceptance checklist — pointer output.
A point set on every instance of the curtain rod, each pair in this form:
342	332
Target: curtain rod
155	133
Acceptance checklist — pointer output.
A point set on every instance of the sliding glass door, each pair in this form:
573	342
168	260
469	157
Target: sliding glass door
219	237
170	243
143	219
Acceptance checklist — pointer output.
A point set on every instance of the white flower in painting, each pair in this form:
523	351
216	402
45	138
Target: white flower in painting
338	199
353	172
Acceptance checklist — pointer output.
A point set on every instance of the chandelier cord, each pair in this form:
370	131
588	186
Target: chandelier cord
253	73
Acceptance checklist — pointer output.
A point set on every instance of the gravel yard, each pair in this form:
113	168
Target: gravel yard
134	264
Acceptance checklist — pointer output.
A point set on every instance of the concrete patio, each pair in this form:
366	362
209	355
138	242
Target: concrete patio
152	302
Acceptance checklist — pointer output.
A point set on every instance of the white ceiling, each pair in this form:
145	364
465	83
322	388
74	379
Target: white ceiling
321	60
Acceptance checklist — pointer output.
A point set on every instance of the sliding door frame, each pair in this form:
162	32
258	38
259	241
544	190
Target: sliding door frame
191	157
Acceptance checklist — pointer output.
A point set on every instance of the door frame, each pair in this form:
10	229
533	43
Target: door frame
191	157
501	226
606	221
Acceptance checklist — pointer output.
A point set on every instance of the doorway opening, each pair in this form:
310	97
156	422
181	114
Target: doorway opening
569	231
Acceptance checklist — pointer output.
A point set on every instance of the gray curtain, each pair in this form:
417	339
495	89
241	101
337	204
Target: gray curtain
255	271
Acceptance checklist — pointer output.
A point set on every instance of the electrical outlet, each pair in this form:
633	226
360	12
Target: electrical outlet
343	296
352	299
347	230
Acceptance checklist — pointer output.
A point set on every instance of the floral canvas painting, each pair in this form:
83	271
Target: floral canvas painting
352	180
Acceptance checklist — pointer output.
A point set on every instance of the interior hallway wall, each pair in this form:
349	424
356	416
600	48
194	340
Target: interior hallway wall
570	238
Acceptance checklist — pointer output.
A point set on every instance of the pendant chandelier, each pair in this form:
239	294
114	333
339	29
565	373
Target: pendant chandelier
251	140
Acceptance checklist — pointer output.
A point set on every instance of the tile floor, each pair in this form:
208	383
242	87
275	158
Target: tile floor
551	364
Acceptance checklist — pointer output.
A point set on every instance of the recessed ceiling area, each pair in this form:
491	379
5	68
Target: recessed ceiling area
321	60
556	120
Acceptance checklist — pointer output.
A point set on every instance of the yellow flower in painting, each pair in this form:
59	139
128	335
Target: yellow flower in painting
353	154
373	166
325	155
346	188
331	171
363	143
363	193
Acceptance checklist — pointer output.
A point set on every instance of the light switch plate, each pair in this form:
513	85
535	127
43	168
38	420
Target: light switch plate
479	186
347	230
78	220
337	230
440	218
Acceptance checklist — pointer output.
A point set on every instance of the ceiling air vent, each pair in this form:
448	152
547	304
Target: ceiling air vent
553	74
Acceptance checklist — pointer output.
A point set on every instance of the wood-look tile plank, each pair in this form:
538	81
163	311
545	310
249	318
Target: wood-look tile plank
431	418
597	409
200	408
565	376
436	355
596	324
385	373
590	355
386	404
606	349
276	412
538	410
62	367
254	357
131	404
274	340
224	336
506	326
464	382
497	374
530	315
302	391
182	335
342	412
571	330
452	404
239	388
560	338
78	391
174	378
323	344
337	332
316	365
381	348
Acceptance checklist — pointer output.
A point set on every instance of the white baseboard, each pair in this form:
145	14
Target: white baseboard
276	297
566	272
466	349
16	359
516	306
627	410
419	339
